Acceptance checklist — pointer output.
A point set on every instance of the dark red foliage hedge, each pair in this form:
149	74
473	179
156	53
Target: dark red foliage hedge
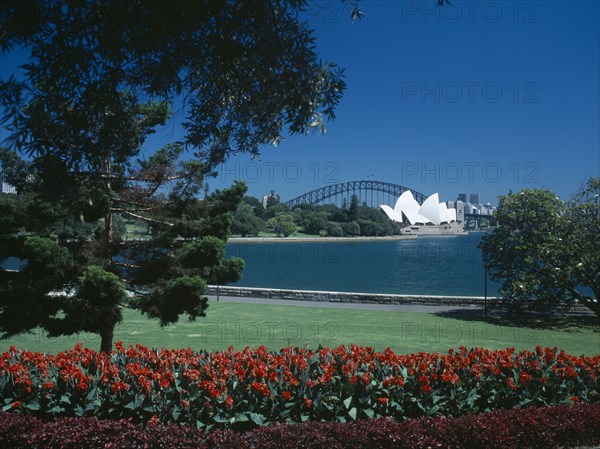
559	426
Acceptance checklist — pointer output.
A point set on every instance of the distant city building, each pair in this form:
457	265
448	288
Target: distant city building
6	187
474	199
462	197
487	209
460	211
450	204
270	200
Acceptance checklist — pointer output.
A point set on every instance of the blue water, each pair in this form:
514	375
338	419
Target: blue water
422	266
425	266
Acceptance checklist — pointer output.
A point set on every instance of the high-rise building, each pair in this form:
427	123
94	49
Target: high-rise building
474	199
460	211
462	197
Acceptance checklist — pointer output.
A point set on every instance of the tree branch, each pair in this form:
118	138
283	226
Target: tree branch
149	220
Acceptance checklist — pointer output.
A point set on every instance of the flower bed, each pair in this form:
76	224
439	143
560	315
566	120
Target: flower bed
256	387
544	428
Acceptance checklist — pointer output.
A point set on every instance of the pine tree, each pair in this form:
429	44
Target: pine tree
101	78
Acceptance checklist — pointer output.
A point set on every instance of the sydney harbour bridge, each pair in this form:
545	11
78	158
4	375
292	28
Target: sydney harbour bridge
373	193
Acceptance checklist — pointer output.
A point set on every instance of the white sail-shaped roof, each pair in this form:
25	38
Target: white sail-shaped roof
431	211
451	215
444	213
391	213
408	206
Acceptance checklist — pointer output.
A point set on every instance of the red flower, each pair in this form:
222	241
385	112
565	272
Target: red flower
261	388
119	386
449	377
308	403
525	378
286	395
383	401
229	402
16	404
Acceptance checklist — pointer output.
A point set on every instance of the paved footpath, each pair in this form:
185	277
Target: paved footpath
341	305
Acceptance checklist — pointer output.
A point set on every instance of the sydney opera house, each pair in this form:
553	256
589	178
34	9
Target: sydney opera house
429	217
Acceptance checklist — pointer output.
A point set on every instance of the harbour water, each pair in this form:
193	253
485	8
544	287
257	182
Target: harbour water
441	265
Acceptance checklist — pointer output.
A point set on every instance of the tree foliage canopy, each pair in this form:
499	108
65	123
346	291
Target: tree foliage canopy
104	74
101	77
544	251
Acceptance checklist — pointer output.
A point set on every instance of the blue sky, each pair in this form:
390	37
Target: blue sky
480	97
485	97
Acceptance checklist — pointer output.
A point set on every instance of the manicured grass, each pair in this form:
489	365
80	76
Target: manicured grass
240	325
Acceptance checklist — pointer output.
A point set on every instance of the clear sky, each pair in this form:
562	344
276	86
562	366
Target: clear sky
476	97
480	98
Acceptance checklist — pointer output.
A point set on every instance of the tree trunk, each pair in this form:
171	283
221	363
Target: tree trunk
108	220
106	341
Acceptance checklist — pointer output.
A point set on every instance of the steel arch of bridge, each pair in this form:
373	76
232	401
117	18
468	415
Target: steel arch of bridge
319	195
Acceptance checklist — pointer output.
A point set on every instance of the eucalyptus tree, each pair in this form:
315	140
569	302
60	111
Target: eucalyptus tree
100	78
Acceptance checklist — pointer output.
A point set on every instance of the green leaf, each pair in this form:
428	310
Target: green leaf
34	404
347	402
352	413
56	409
239	417
220	418
473	396
93	394
257	419
433	410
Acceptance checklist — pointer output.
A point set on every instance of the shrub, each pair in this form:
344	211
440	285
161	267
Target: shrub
549	427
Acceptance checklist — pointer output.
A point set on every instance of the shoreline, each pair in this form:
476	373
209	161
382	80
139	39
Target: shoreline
317	239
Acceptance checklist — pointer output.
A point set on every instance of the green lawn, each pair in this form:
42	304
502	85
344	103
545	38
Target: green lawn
239	325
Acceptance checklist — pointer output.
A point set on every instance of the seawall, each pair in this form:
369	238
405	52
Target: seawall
368	298
365	298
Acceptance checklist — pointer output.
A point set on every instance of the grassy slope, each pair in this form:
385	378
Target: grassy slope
238	325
